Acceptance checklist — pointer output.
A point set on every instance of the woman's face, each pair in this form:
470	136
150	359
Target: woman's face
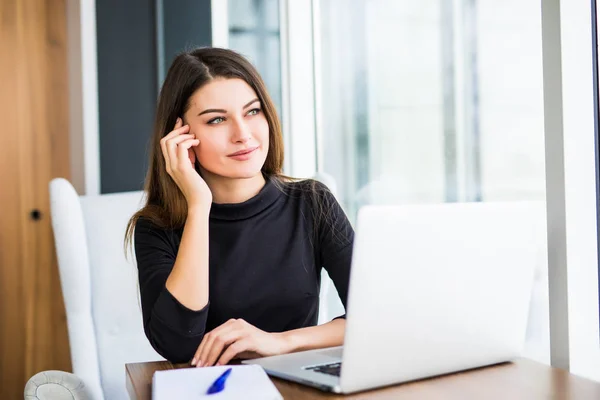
227	117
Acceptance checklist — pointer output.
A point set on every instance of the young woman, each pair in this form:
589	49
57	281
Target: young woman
230	251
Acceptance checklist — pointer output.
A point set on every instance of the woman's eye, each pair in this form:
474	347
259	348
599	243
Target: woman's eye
254	111
217	120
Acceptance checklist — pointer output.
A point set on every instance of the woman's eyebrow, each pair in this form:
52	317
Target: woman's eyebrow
250	103
212	110
218	110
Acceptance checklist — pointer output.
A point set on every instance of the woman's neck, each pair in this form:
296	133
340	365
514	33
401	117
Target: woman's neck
233	190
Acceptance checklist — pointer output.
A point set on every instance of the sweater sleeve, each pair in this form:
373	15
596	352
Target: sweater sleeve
336	237
173	330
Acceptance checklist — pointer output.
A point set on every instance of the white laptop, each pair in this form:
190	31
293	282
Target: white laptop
434	289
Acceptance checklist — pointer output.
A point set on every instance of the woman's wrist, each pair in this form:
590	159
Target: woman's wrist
199	208
289	342
330	334
198	215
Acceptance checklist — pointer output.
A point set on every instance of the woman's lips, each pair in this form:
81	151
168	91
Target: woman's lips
243	156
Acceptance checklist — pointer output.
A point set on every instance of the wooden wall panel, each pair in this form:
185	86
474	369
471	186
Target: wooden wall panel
34	148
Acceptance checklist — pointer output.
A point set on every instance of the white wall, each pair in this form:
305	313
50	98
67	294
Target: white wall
83	96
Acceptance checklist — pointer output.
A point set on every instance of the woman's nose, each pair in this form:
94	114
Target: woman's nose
241	132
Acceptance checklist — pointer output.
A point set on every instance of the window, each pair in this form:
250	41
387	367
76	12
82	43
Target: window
254	31
435	101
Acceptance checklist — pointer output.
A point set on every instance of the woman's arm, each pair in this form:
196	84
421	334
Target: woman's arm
330	334
174	277
188	281
173	329
237	337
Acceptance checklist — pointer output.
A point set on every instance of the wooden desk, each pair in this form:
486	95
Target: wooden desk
523	379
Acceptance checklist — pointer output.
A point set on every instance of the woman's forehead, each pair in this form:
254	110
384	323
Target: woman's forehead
223	93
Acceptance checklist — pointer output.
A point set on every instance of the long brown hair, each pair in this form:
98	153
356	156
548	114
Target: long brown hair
165	205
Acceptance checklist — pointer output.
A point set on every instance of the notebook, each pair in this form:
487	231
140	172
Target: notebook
244	382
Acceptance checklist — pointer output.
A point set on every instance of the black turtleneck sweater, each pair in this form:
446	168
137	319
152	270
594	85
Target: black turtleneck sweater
265	260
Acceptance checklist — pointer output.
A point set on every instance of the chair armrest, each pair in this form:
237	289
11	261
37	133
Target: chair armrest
55	385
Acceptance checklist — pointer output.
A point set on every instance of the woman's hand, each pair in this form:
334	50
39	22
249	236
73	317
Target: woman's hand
177	148
237	337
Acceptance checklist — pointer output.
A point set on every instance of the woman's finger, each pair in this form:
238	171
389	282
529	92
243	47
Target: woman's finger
192	155
178	123
178	129
172	145
208	339
239	347
205	350
164	142
174	133
212	342
199	357
183	149
174	142
220	343
180	138
196	359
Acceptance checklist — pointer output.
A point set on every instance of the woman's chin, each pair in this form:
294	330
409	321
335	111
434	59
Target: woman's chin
244	175
244	171
241	173
238	170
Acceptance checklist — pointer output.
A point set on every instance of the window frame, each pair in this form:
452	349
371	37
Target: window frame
569	119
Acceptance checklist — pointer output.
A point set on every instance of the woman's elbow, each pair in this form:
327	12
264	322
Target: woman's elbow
174	347
176	351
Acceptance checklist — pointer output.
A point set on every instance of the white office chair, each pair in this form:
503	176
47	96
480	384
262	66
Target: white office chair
101	292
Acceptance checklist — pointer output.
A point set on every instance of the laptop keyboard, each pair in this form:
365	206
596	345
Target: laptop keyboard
329	369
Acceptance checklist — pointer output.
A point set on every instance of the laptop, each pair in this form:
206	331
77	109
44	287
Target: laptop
434	289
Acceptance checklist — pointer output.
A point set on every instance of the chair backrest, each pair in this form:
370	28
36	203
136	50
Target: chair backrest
99	286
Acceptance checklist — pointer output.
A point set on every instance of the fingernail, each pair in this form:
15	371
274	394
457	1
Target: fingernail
200	363
219	364
194	361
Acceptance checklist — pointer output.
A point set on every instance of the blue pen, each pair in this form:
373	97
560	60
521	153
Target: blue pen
219	384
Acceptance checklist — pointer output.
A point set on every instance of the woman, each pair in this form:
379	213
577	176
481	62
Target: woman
229	250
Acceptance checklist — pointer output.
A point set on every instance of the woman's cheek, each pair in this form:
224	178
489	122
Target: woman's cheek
205	151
